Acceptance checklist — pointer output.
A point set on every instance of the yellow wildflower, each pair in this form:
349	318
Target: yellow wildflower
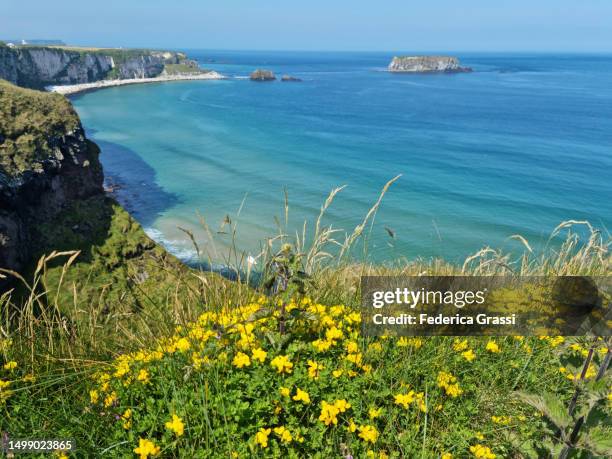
368	433
449	383
183	344
146	448
322	345
285	391
261	437
404	399
554	341
241	360
416	343
282	364
301	396
446	456
127	419
314	368
492	347
460	346
283	434
93	396
333	333
259	354
420	399
176	425
10	366
110	399
352	427
374	412
143	376
354	358
342	405
329	413
503	420
468	355
337	373
482	452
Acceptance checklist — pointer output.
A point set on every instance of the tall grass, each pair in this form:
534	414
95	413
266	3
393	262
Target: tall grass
47	334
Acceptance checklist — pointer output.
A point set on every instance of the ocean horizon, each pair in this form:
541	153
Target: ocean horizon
516	147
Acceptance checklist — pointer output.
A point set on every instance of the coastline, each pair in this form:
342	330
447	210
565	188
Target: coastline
77	88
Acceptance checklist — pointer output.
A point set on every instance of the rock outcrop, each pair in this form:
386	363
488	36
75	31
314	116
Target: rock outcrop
46	163
289	78
52	199
263	75
39	66
426	64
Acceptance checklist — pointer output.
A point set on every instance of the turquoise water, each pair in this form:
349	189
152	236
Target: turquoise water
518	146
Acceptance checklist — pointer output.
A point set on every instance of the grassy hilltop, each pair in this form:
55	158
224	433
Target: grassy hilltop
107	339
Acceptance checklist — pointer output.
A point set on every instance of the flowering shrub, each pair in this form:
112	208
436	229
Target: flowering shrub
232	382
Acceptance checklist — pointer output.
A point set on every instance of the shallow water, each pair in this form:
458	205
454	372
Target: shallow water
519	145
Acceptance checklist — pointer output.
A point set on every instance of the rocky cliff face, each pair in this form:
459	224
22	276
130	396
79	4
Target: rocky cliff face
426	64
37	67
46	164
52	200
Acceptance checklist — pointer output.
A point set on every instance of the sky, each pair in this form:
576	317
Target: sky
334	25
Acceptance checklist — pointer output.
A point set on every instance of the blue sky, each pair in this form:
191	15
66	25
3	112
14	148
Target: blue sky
369	25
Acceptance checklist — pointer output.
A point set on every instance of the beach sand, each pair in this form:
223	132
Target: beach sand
76	88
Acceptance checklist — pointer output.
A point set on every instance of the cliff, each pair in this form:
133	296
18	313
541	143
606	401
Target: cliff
426	64
45	164
38	66
51	198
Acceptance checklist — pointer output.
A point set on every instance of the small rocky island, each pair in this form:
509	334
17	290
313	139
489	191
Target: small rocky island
290	78
263	75
426	64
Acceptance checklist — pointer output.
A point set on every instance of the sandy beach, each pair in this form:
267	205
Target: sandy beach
76	88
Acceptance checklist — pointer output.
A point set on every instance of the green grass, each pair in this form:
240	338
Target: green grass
178	69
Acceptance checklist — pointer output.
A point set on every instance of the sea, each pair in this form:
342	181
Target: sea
519	145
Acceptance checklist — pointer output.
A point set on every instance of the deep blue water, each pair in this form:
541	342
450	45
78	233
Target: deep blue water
519	145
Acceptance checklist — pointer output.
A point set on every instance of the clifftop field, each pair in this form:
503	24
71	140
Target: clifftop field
107	340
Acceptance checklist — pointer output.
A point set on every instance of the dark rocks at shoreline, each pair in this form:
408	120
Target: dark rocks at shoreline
290	78
426	64
263	75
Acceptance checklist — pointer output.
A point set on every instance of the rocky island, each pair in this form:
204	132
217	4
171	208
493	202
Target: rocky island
287	78
426	64
263	75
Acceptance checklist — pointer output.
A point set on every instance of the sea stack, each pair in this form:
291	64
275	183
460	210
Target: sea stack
426	64
290	78
263	75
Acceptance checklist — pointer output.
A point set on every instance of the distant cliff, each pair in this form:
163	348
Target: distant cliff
426	64
40	66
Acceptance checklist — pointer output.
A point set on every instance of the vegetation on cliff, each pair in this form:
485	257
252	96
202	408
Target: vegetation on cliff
29	122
